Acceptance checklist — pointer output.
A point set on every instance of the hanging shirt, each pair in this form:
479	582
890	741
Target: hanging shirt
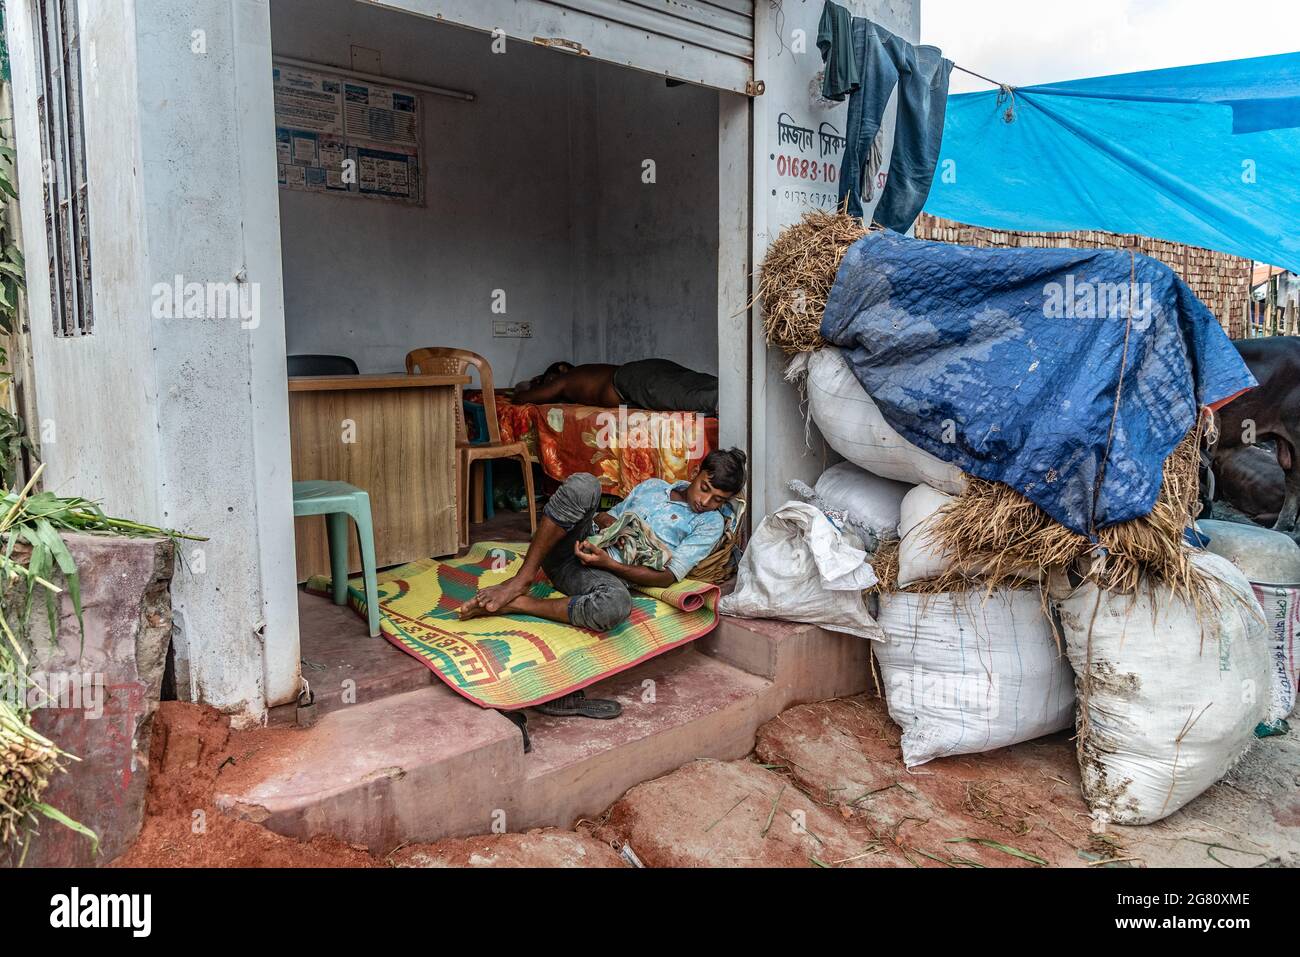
835	40
691	535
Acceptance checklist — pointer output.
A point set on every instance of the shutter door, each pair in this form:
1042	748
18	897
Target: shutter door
707	42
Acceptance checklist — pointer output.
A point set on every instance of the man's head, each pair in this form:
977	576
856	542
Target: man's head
553	372
721	476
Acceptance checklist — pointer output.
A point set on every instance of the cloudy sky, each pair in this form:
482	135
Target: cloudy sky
1023	42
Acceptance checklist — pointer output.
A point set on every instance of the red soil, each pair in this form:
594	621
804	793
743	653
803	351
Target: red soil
192	748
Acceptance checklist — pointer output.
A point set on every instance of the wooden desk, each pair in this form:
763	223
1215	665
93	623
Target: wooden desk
395	437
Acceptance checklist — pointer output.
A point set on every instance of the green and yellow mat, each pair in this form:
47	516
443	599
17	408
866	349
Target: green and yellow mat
514	661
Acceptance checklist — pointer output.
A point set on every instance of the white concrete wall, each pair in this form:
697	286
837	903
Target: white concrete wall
173	421
97	395
534	188
788	61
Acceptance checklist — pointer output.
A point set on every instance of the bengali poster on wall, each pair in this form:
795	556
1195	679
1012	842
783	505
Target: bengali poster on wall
336	133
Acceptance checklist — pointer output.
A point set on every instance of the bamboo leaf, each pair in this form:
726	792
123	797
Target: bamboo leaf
54	814
998	846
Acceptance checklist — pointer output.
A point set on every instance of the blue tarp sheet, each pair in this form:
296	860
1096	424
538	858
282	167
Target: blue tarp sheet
1207	155
1006	363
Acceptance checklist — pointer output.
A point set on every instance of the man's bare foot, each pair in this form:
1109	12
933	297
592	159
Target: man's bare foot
495	597
471	609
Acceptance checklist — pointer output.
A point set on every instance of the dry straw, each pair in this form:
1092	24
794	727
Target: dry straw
796	276
994	528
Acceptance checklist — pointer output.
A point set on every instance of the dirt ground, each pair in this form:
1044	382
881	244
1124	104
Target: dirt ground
825	787
193	747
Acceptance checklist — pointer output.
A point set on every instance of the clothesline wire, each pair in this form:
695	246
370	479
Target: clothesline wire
1005	86
1005	91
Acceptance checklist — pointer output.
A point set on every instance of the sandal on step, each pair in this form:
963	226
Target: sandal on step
578	705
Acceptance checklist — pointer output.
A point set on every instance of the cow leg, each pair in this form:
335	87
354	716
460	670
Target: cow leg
1286	457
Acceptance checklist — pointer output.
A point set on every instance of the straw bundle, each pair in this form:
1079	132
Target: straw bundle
719	565
27	762
995	528
796	276
885	564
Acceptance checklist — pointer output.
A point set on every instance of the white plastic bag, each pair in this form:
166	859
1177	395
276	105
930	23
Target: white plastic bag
965	674
1168	701
854	427
798	566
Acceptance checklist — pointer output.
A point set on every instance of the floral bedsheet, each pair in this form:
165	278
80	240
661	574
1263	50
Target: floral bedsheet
621	447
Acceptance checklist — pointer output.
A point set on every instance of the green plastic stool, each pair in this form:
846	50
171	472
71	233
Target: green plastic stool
338	501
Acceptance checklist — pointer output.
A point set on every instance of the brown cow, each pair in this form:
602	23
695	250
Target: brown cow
1271	411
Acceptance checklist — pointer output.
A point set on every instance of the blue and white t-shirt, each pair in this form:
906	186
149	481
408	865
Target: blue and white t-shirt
691	535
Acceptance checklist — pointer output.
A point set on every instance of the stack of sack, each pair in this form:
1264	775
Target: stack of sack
1038	574
1167	689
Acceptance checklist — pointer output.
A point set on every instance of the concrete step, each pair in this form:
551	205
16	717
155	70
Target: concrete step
411	766
676	708
343	664
803	662
427	764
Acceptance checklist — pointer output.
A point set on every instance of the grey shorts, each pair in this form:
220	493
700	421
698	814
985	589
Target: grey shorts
598	599
661	385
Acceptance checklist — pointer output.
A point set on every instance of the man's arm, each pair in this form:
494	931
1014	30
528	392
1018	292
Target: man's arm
595	557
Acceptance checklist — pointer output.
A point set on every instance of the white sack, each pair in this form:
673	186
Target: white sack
854	427
1281	606
964	674
800	567
866	504
1166	707
919	558
868	500
1271	561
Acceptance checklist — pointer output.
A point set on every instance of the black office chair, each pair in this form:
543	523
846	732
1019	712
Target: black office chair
322	365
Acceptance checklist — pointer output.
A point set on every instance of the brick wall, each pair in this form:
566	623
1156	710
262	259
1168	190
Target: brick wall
1221	281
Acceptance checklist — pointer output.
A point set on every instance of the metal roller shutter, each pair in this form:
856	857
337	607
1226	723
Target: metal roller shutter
708	42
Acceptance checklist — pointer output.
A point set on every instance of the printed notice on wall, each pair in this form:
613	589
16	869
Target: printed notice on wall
335	133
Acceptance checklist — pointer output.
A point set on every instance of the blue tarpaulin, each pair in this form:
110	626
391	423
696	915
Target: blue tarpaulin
1007	362
1207	155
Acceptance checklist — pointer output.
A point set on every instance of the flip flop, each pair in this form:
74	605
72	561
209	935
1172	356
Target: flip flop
520	721
578	705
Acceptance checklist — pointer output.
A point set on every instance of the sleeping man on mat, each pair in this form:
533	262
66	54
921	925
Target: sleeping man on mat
658	385
684	522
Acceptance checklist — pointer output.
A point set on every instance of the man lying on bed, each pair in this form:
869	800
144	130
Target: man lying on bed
683	517
658	385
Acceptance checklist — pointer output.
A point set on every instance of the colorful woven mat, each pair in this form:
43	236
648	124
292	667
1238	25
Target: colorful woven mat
514	661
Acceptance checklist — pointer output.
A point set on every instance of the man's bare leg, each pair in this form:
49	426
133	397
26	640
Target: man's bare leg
553	609
493	599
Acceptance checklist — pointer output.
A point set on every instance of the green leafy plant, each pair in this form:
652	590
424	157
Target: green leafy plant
33	559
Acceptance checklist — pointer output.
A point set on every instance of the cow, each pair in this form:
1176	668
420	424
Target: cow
1269	412
1250	479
